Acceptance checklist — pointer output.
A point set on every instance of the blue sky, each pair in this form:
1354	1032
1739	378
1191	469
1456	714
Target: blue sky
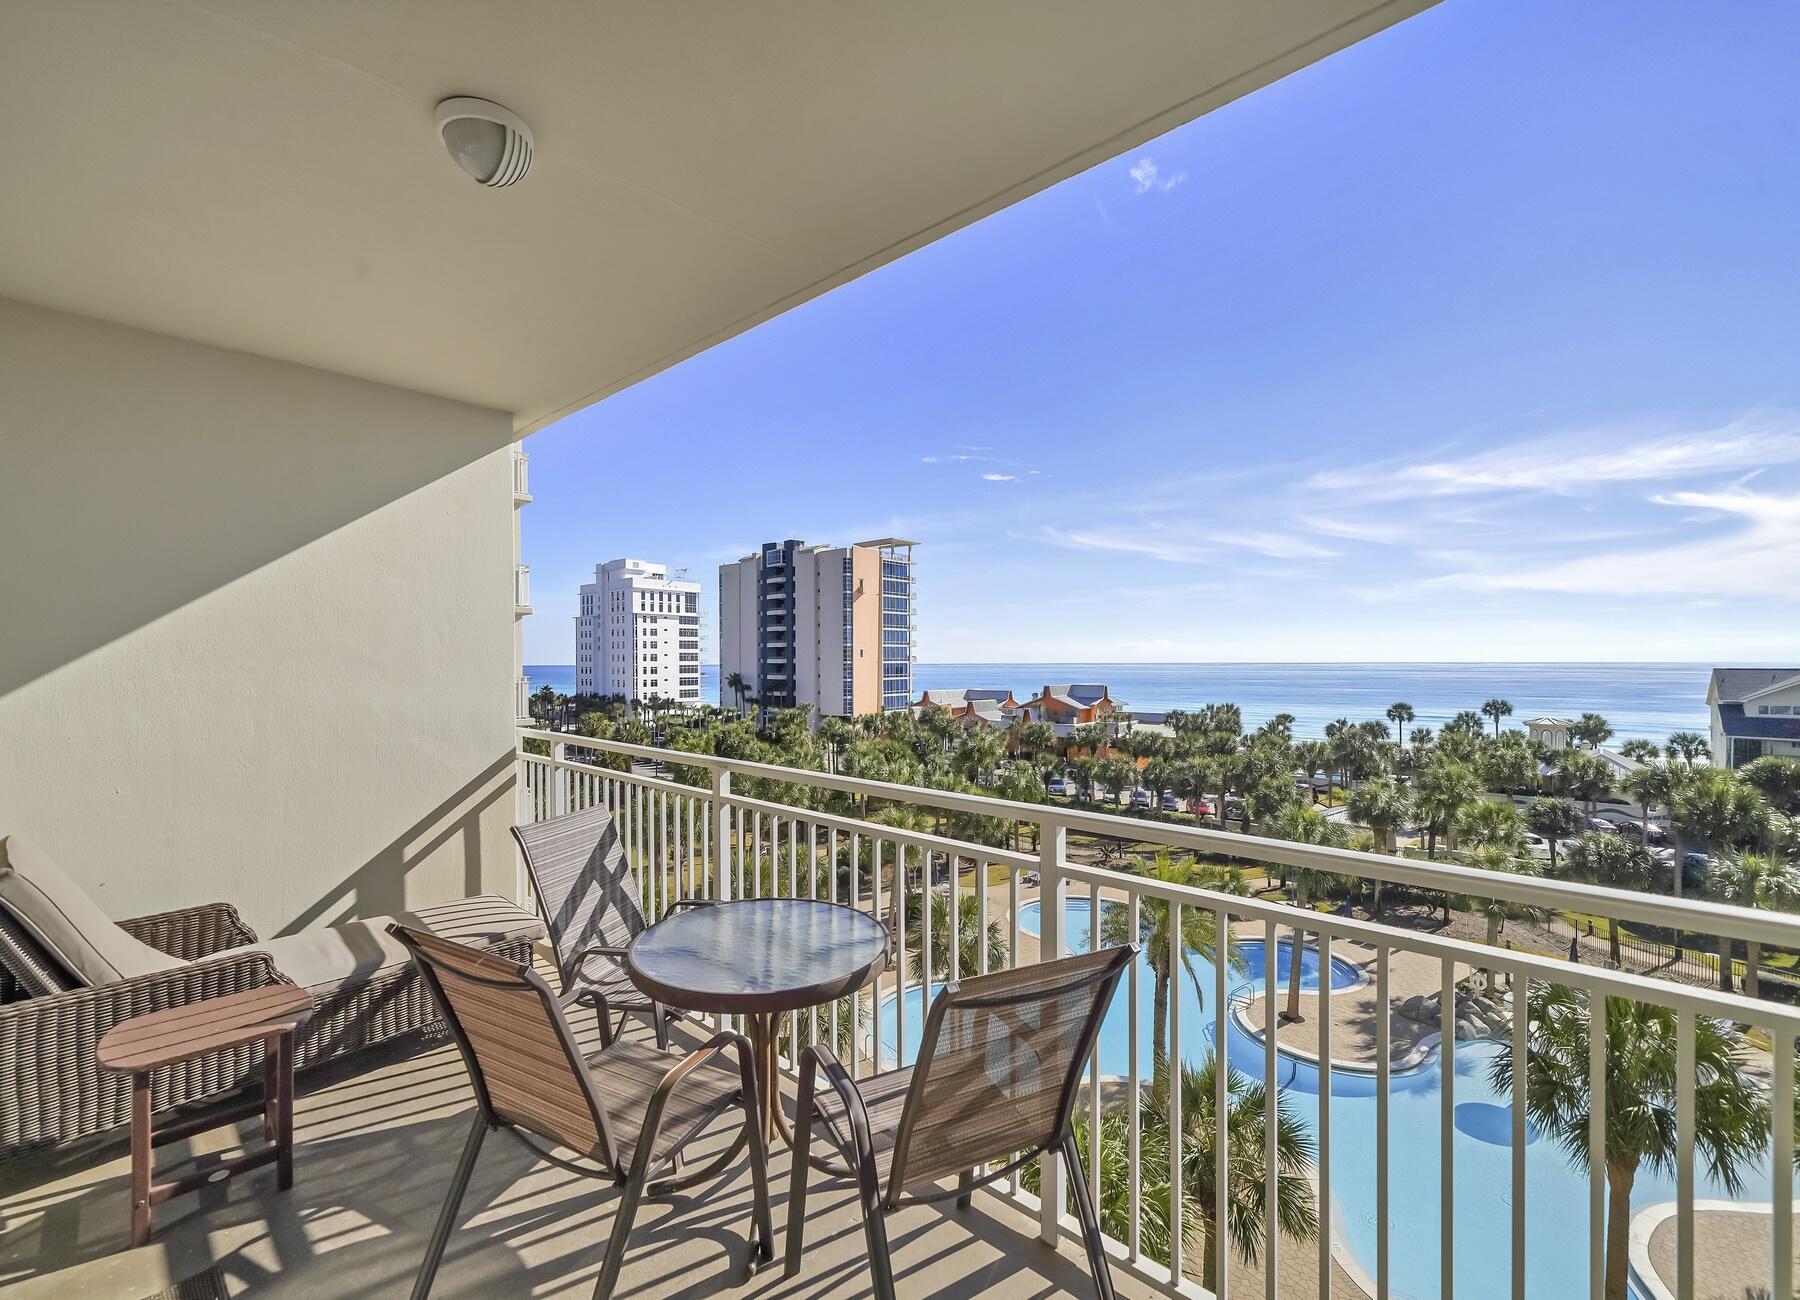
1479	340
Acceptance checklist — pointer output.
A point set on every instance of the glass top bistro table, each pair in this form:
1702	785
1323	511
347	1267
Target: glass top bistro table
758	958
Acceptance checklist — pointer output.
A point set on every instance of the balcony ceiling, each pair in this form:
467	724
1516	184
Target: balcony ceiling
265	175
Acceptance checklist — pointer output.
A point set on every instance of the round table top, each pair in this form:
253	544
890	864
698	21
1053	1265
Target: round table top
160	1038
758	955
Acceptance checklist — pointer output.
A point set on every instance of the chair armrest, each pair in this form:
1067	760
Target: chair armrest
192	933
679	903
69	1025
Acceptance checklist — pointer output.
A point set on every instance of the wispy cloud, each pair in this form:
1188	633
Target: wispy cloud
952	458
1146	176
1578	461
1173	547
1753	552
1001	478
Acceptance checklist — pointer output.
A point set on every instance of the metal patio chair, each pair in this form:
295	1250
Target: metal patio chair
999	1064
590	898
629	1108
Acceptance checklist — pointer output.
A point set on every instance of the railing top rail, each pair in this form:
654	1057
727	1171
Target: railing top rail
988	853
1620	904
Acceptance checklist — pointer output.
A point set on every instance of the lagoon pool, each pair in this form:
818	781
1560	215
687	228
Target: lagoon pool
1556	1189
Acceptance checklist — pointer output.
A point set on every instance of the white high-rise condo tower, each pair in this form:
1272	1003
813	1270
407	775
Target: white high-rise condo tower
638	633
830	627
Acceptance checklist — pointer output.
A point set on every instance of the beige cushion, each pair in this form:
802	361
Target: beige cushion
322	961
67	923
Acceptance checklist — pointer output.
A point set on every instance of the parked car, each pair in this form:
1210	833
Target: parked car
1602	824
1140	798
1170	803
1537	846
1059	786
1201	808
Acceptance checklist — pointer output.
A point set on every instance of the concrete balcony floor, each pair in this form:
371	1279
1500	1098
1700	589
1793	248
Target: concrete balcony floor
376	1139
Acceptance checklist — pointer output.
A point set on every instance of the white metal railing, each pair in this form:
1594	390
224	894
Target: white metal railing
522	586
715	839
521	475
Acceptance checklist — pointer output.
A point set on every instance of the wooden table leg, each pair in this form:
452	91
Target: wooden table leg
140	1159
270	1125
284	1111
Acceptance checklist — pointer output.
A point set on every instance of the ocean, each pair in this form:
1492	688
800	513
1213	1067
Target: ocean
1640	700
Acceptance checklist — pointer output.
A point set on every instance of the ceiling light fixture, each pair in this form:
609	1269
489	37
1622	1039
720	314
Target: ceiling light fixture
487	141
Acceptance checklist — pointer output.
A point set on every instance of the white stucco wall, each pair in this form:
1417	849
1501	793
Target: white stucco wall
257	640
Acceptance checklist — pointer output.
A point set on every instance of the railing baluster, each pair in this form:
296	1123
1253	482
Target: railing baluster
1220	1244
1781	1102
955	918
1447	1129
1684	1153
1271	1107
1596	1145
900	958
1383	1066
1172	1078
1094	1059
1134	1190
1012	955
1325	982
1052	852
856	1002
1520	1063
981	914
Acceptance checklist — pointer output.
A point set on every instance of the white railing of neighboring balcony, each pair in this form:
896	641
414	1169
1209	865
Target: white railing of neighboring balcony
709	840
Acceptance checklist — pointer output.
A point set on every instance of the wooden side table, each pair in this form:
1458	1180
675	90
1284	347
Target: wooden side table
163	1038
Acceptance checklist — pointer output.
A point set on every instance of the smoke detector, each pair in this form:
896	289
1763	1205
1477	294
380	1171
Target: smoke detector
489	142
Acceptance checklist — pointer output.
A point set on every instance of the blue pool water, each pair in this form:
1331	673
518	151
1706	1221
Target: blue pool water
1556	1190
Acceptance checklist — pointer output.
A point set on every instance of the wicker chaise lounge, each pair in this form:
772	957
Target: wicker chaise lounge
68	974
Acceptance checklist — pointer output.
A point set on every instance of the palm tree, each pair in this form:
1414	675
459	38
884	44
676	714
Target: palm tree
836	736
968	934
1491	823
1303	824
1310	757
1497	709
1401	714
545	700
1752	880
1441	791
1586	777
1246	1159
1639	750
1776	778
1555	819
1651	786
1713	807
1615	862
1687	746
735	683
1591	730
1731	1117
1498	859
1383	807
1199	937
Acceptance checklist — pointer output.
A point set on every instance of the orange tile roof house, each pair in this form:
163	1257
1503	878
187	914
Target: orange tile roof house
1072	705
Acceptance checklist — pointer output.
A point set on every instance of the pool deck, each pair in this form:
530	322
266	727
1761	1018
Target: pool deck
1731	1251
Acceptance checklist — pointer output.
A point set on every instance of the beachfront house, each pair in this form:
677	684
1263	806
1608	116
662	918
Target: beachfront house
1755	711
992	707
1551	732
1070	705
282	287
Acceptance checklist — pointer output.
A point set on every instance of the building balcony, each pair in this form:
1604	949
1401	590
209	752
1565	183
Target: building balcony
521	466
522	589
377	1132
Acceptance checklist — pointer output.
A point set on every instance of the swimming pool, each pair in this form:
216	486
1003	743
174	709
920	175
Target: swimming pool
1556	1190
